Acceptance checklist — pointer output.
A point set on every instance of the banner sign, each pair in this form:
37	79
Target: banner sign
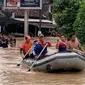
23	4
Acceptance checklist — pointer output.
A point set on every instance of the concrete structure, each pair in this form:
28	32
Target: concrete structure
38	19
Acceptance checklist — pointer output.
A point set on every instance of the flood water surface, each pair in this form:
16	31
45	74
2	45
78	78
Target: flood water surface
11	74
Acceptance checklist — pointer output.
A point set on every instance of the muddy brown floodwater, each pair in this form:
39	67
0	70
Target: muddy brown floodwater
10	74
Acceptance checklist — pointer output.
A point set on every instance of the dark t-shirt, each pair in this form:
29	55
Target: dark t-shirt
0	43
4	43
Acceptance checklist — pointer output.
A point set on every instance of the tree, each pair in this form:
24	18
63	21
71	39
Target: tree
65	12
79	25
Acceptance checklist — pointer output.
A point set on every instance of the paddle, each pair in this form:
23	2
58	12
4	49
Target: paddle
37	57
24	58
79	52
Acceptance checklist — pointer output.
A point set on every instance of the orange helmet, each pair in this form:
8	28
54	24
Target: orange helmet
27	37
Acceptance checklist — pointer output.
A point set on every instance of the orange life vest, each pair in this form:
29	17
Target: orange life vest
26	46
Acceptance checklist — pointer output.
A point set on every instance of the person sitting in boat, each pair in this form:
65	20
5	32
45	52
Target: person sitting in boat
26	47
39	45
62	44
74	44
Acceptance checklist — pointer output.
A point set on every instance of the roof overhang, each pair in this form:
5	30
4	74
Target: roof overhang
36	22
43	25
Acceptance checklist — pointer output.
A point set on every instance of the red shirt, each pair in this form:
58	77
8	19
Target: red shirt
44	43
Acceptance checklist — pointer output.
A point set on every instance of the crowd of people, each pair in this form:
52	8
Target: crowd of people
7	40
33	49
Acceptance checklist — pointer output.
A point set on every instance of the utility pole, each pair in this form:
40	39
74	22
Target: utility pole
26	22
40	16
40	22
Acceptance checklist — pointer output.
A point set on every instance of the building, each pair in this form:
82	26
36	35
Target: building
38	19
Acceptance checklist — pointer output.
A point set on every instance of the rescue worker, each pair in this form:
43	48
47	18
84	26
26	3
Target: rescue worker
62	44
39	45
26	47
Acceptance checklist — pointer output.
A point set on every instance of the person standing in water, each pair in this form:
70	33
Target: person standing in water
4	41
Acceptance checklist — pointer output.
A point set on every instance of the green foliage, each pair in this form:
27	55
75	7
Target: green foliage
79	25
64	12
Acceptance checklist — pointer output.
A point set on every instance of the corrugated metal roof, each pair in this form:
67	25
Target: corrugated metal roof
34	20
